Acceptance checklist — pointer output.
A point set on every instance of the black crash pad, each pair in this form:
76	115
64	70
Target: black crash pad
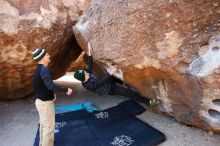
116	126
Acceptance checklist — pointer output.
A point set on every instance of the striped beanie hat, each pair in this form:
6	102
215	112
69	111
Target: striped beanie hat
38	54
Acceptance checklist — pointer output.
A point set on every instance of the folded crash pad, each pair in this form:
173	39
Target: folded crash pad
73	107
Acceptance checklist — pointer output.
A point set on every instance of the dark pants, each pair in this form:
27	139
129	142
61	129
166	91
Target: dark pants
124	91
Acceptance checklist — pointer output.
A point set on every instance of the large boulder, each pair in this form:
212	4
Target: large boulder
29	24
164	49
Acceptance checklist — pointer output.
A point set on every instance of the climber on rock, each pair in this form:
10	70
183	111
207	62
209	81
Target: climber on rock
106	85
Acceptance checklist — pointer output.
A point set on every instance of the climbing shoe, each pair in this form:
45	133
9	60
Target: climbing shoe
154	101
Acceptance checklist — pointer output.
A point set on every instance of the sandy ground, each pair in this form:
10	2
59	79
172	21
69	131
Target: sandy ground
19	119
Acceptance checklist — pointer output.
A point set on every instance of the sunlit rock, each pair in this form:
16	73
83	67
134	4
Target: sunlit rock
164	49
29	24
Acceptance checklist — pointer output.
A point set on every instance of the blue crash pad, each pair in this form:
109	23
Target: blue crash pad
74	107
115	126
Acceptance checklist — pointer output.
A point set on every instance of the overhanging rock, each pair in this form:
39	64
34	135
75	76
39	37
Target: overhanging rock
164	49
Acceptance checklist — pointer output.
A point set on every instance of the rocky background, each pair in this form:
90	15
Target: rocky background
166	49
29	24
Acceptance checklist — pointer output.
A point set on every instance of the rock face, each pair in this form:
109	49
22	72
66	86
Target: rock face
29	24
164	49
